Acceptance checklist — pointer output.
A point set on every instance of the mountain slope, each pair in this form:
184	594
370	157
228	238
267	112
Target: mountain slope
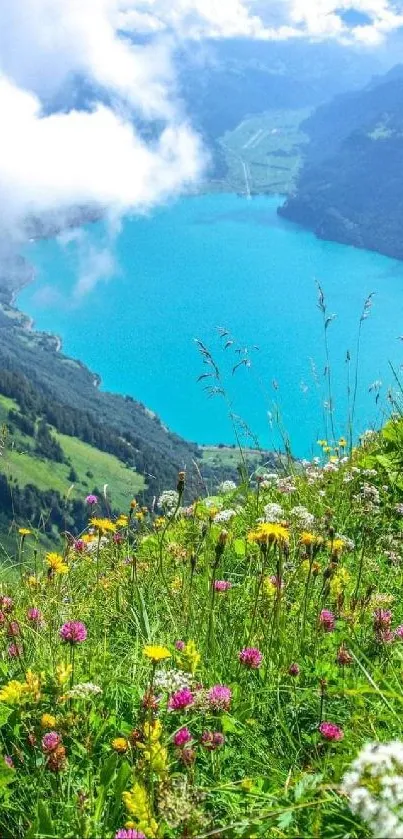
350	187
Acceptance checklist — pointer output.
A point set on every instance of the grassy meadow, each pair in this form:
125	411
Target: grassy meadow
212	668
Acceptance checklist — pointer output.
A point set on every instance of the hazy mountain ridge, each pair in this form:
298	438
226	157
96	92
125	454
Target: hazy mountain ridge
350	187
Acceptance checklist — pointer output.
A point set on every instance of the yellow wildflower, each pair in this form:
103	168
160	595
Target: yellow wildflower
33	581
133	504
266	534
342	442
48	721
56	563
336	546
122	521
33	685
88	538
63	673
176	585
13	693
327	449
120	745
103	525
269	588
188	659
339	582
159	522
139	516
322	443
23	531
333	459
156	653
307	538
137	803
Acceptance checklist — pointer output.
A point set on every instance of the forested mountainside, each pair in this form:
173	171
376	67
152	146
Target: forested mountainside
350	187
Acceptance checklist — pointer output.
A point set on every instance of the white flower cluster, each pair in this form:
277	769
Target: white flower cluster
168	501
273	512
224	516
84	691
286	485
92	547
171	680
226	486
374	786
302	517
370	494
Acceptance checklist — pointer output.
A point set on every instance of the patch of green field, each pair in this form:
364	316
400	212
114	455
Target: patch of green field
230	457
263	153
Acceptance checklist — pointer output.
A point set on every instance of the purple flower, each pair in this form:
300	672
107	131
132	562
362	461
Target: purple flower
182	737
382	619
129	833
9	761
327	620
51	741
188	756
331	731
399	632
73	632
222	585
91	499
34	615
212	740
219	698
251	657
180	645
79	545
13	629
294	669
180	700
14	651
6	603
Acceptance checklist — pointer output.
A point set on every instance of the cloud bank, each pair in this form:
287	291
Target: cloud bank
101	155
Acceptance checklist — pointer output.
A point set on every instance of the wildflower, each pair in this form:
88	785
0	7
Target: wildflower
273	513
302	517
180	645
73	632
168	501
327	620
51	741
56	759
189	657
56	563
6	604
130	833
382	619
35	615
120	745
103	525
48	721
251	658
267	533
331	731
374	787
14	651
219	698
343	657
79	545
294	669
399	632
63	673
336	546
33	581
84	691
13	693
137	803
182	737
181	700
225	487
171	680
156	653
222	585
122	521
339	581
24	531
91	500
188	756
212	740
13	629
224	516
9	761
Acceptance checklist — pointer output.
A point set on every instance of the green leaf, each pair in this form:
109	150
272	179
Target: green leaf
239	547
45	824
230	725
5	714
285	819
122	780
108	771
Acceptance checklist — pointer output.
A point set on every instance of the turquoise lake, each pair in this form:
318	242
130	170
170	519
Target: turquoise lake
223	261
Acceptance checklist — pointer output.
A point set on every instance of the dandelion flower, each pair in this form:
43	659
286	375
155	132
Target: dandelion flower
269	533
103	525
120	745
156	653
48	721
24	531
56	563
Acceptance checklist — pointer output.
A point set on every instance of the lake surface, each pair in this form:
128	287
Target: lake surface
222	261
